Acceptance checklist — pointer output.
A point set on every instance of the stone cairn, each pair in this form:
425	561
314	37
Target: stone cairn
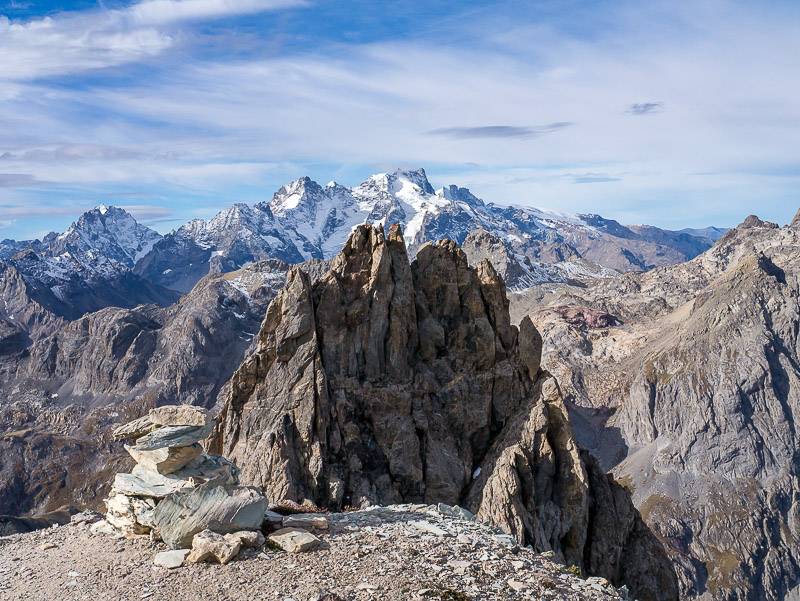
177	491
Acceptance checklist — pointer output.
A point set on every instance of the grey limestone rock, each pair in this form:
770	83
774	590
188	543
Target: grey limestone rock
294	540
222	509
171	559
208	544
173	436
180	415
165	460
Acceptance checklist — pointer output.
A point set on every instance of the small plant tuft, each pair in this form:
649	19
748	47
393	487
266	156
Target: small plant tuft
273	546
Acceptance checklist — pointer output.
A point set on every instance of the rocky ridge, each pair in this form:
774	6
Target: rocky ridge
692	399
387	382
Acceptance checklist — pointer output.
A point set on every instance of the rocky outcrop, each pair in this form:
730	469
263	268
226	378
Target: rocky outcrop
694	402
176	491
222	508
168	460
387	382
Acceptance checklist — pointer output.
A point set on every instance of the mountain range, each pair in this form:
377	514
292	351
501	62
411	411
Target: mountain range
306	221
676	357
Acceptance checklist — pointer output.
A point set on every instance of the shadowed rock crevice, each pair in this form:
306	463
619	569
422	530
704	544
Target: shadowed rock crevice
385	382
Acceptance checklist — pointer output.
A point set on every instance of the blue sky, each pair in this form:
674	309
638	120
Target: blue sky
673	114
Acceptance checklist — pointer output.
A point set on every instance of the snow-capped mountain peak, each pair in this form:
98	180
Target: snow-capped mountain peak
299	196
110	230
417	178
304	220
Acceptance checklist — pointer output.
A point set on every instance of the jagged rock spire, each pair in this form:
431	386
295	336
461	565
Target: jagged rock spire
386	382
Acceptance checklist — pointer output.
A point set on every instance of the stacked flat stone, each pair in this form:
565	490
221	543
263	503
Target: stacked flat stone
169	459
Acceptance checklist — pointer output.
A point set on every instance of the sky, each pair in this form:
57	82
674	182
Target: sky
675	114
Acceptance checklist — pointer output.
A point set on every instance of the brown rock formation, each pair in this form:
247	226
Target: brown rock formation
385	382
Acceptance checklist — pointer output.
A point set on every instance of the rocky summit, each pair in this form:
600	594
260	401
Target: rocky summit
394	382
409	552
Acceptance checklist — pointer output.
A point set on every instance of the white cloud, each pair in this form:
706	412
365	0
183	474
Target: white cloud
160	12
718	83
74	42
141	212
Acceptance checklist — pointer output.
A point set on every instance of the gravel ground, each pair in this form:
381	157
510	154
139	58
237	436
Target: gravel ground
390	553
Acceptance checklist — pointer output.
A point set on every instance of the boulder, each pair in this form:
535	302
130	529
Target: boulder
221	508
171	559
180	415
294	540
273	520
210	468
165	460
135	429
174	436
102	527
130	514
249	539
143	483
208	544
306	521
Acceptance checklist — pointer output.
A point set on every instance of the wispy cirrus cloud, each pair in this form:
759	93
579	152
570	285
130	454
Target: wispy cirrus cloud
645	108
595	179
16	211
71	152
161	12
217	123
72	42
147	212
499	131
18	180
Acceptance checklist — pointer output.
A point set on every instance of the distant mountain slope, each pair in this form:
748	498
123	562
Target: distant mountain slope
85	269
61	393
305	221
693	400
75	283
711	232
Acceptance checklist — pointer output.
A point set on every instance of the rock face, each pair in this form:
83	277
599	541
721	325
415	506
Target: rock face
386	382
694	403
